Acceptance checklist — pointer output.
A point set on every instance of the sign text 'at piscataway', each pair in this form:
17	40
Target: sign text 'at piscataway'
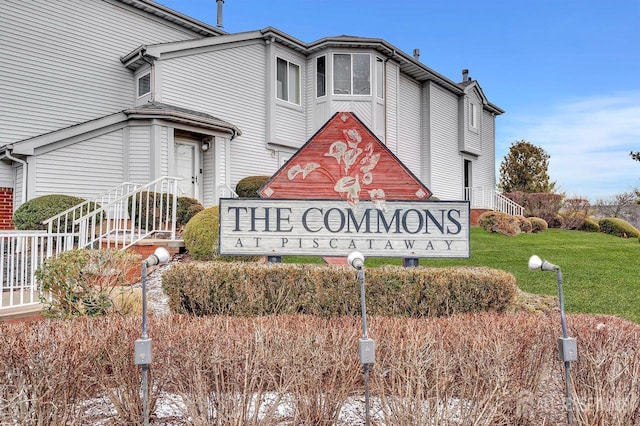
336	228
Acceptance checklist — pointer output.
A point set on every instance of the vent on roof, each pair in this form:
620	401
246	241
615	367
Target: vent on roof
219	22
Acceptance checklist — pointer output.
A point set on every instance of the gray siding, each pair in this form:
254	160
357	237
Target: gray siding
235	93
6	175
409	125
61	61
446	163
484	173
97	167
139	154
392	81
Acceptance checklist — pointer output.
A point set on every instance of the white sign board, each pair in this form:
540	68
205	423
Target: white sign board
411	229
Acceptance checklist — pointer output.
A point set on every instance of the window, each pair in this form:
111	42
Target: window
352	74
288	81
473	115
144	84
321	76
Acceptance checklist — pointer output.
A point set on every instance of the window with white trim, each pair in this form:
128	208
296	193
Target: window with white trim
321	76
379	77
144	84
288	81
352	74
473	115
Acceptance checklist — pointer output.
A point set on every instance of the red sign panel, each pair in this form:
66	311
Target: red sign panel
344	160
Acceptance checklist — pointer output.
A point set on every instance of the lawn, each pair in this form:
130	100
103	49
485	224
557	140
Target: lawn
600	272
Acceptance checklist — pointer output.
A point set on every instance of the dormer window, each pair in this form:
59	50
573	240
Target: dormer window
352	74
144	84
288	81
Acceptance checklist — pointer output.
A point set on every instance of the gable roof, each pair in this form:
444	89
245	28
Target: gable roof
177	18
147	111
408	64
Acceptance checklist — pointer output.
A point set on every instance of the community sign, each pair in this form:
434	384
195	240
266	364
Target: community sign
343	191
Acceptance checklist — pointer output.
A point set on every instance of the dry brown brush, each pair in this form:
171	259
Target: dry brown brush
484	369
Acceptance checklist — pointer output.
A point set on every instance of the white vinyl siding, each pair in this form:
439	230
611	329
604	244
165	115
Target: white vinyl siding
485	166
409	128
446	162
97	167
139	154
61	62
6	175
230	84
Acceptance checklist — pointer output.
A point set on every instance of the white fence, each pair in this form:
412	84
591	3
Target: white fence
485	198
22	252
116	219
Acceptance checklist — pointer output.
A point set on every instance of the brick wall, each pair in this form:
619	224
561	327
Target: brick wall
6	208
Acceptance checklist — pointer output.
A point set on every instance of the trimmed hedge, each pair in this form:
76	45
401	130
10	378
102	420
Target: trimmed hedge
248	187
245	289
30	215
618	227
590	225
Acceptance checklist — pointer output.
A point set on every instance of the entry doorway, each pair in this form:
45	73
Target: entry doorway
187	167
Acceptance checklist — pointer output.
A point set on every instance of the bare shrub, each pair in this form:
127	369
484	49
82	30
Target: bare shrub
484	369
574	212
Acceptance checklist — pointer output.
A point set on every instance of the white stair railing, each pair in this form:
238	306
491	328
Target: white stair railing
148	210
65	222
487	198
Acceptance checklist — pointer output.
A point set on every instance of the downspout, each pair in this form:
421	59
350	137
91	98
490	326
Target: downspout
153	74
8	154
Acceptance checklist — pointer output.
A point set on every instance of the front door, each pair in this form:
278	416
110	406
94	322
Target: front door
187	166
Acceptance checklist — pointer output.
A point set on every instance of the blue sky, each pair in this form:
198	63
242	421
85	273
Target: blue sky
567	72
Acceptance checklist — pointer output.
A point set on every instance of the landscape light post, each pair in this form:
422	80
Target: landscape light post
142	348
366	346
567	346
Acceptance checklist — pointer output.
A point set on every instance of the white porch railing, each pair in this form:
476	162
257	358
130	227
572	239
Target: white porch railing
116	219
486	198
225	191
145	211
22	252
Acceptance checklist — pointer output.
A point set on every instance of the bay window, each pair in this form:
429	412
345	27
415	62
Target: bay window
352	74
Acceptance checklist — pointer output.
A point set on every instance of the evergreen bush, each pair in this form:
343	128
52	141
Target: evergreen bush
590	225
618	227
248	187
30	215
186	208
88	282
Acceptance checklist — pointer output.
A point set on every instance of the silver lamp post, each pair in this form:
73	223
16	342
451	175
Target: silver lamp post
142	348
567	346
366	346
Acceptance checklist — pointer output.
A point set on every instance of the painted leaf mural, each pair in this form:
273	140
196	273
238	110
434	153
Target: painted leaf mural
345	160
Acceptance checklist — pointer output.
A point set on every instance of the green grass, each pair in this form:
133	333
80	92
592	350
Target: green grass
600	271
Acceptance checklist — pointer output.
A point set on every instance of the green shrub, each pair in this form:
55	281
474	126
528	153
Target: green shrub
493	221
87	282
186	208
201	234
248	187
590	225
30	215
201	237
618	227
538	224
216	288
